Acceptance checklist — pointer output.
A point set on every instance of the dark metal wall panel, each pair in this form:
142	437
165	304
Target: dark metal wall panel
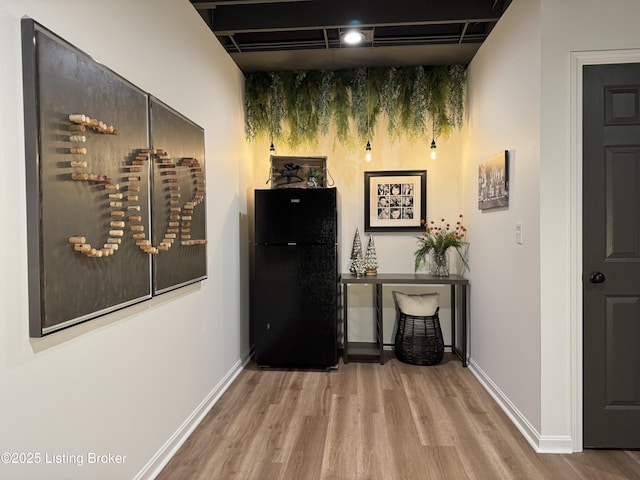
73	287
178	175
98	184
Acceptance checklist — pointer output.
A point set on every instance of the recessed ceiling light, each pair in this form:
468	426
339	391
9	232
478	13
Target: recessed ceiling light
353	37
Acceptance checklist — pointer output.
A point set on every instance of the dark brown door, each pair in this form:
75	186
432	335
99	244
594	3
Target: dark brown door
611	255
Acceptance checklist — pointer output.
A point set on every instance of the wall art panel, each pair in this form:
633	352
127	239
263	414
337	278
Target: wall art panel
90	172
179	228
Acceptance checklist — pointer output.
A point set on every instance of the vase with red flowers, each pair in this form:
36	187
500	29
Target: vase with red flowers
435	243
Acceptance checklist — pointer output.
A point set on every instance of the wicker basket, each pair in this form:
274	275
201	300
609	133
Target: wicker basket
419	339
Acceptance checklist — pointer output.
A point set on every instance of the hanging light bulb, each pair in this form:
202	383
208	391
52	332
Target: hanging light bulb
367	149
272	149
433	149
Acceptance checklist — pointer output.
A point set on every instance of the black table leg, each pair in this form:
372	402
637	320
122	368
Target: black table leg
379	323
454	320
345	339
464	316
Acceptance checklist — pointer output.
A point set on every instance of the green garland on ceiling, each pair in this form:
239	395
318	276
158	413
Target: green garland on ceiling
297	107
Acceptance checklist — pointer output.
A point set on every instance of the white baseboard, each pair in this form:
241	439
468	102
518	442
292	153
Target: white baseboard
540	443
555	444
171	446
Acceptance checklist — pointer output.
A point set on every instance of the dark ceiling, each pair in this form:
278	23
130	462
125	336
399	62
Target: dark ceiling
305	34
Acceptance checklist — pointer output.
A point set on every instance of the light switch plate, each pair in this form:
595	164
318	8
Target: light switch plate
519	233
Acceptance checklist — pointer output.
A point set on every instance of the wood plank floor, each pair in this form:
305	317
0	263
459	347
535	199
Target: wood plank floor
371	421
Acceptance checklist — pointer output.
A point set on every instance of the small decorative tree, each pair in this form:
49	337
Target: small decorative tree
356	251
358	265
371	258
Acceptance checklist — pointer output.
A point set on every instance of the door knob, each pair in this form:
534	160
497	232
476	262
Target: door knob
597	277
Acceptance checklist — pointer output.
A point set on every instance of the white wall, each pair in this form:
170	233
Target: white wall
503	108
524	338
128	382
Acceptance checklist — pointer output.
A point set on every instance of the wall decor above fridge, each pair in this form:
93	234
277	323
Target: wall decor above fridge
299	172
101	155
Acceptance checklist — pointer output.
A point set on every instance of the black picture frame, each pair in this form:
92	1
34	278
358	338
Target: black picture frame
395	200
493	182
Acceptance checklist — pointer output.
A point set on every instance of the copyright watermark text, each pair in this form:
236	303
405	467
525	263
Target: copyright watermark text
53	458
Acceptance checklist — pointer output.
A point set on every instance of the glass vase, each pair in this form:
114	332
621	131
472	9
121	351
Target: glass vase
439	263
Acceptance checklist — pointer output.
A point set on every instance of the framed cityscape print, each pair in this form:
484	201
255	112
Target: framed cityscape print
395	201
493	182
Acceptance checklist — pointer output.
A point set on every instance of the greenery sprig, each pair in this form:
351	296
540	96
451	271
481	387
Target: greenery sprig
324	100
296	107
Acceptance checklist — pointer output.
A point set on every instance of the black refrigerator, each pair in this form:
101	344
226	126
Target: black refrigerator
296	281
